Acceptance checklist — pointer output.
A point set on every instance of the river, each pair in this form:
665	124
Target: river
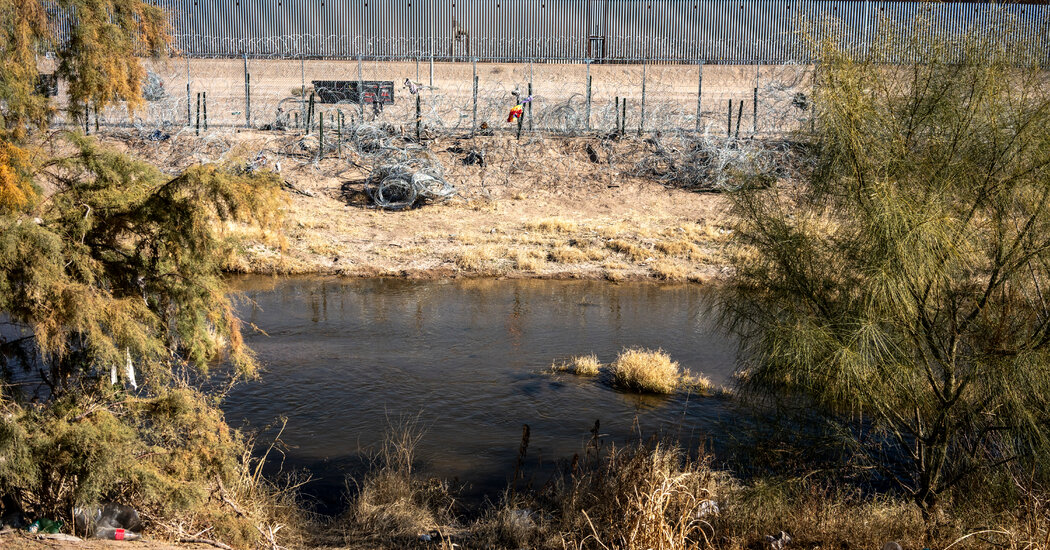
467	361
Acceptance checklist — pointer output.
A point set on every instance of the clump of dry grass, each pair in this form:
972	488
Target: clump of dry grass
580	365
655	495
568	255
645	370
554	225
821	516
679	248
669	270
638	369
633	252
529	260
696	383
393	501
638	497
482	258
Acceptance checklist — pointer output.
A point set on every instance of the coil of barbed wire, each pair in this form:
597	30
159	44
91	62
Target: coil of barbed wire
406	180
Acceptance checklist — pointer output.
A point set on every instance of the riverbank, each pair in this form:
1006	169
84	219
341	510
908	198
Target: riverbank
537	208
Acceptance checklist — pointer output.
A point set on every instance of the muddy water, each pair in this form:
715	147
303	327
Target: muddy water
345	359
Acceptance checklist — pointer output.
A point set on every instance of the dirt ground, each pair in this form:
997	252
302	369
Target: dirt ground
537	208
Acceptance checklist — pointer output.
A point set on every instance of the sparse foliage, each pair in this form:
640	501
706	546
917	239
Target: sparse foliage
902	287
108	265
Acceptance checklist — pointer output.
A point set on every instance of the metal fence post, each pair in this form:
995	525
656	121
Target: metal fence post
474	96
529	104
189	120
729	123
247	94
360	86
419	117
739	115
623	118
587	119
754	107
302	89
699	97
641	122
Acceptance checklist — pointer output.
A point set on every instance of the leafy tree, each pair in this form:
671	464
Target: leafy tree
901	286
105	262
104	259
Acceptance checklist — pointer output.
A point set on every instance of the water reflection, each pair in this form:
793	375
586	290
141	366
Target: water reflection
344	357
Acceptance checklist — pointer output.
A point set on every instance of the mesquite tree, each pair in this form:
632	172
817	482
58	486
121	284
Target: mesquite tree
104	259
110	265
900	285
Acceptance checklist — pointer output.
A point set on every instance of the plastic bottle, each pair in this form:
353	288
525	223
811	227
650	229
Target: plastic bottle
111	533
44	526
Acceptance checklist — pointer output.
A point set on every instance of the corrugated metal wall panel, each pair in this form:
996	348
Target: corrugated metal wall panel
713	31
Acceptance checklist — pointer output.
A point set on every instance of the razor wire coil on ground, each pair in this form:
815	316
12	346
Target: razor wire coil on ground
401	185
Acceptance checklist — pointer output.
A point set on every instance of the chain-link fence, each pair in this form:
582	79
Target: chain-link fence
642	96
686	124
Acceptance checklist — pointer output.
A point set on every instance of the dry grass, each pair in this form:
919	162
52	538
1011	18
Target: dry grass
568	255
580	365
482	258
637	369
633	251
696	383
529	260
554	225
645	370
679	248
393	501
670	270
824	517
633	498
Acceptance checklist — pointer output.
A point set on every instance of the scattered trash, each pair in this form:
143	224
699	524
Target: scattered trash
109	521
474	157
157	135
60	537
516	112
116	533
892	545
401	185
592	154
519	519
153	87
15	519
707	508
413	88
129	370
305	192
800	101
779	542
44	525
